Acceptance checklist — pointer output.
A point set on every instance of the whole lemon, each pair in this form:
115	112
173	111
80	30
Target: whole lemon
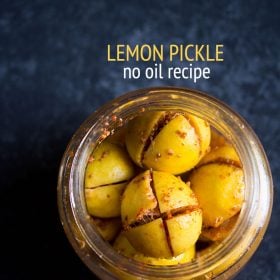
160	214
218	183
169	142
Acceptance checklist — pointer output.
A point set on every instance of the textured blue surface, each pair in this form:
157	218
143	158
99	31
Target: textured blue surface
53	74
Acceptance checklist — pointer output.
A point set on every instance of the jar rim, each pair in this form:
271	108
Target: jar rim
255	212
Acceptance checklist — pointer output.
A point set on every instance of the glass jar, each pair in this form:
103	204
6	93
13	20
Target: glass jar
220	261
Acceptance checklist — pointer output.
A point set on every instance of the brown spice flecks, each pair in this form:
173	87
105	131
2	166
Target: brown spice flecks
144	218
104	154
180	211
168	215
193	195
105	134
126	227
91	159
114	118
163	120
170	152
147	216
142	178
166	197
140	214
181	134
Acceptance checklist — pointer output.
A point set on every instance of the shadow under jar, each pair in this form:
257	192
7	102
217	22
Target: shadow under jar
222	260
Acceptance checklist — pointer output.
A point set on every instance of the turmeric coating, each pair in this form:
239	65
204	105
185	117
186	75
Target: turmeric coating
138	204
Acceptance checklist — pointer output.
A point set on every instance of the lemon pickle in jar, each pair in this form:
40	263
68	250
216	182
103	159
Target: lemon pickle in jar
165	183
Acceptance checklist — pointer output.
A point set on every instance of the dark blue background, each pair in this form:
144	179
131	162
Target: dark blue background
53	74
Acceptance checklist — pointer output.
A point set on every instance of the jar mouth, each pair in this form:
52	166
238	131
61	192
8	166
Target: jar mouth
221	257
